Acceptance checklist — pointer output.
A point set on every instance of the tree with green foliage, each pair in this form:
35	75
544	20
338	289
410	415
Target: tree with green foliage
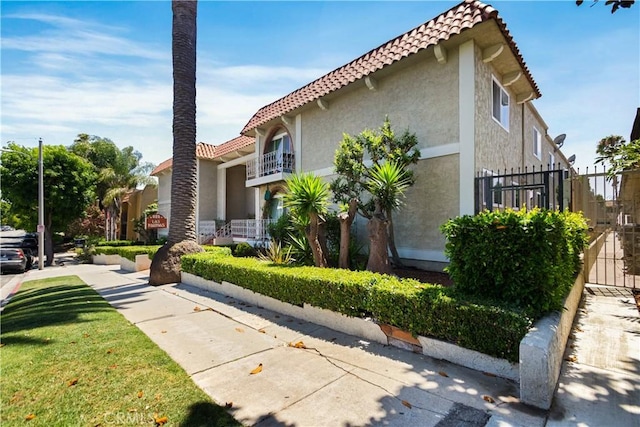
387	183
615	4
355	160
69	184
119	171
307	197
618	154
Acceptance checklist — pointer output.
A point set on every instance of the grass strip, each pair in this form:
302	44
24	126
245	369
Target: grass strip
70	359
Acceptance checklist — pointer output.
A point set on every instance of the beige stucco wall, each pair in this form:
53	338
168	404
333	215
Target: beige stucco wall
207	190
421	97
496	148
428	204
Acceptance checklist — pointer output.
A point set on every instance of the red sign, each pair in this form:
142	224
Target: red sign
156	221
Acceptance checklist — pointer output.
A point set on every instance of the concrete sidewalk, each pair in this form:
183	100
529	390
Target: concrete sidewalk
340	379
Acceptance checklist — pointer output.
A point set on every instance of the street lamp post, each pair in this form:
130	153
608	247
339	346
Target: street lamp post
41	228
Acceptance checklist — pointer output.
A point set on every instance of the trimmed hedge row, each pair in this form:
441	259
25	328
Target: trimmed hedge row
422	309
118	243
128	252
526	258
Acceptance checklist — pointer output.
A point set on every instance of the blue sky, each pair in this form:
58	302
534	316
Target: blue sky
104	68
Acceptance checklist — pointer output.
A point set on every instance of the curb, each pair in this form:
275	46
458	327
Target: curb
14	289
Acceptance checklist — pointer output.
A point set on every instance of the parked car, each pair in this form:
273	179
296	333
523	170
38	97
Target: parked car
13	259
19	239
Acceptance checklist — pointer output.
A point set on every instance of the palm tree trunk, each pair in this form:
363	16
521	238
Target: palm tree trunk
378	253
319	256
395	257
165	267
184	173
346	219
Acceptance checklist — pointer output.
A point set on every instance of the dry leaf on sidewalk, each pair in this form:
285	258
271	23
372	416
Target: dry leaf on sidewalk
407	404
488	398
228	405
257	370
239	330
299	344
443	374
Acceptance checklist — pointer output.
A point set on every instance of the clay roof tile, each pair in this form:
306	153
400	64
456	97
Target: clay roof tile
446	25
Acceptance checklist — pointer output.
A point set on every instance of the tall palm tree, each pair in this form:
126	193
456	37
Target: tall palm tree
165	267
308	197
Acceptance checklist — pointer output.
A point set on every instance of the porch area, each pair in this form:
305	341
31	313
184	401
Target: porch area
234	231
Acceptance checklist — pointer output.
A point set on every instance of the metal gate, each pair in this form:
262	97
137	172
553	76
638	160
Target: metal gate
612	206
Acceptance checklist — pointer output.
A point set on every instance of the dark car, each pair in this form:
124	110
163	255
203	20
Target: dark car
13	259
19	239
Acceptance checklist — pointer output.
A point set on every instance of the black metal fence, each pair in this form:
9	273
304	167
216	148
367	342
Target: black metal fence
610	203
519	189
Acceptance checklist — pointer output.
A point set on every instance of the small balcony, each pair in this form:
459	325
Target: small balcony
270	167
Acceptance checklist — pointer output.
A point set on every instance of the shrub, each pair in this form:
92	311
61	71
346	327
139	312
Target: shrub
115	243
128	252
243	249
525	258
276	253
429	310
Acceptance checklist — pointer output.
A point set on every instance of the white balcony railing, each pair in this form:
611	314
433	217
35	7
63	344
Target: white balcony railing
251	229
271	163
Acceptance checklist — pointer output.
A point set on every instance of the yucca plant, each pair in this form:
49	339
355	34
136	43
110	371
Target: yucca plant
308	197
276	254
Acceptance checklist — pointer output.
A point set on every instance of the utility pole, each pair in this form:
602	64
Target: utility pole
41	228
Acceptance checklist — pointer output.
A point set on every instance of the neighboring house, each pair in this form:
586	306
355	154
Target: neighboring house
457	81
134	204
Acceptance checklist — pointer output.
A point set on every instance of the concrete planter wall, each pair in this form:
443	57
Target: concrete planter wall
102	259
541	350
141	263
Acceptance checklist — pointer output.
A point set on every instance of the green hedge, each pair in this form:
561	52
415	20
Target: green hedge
428	310
128	252
526	258
115	243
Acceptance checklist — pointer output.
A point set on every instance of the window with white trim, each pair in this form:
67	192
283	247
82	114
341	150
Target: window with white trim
500	104
552	161
537	143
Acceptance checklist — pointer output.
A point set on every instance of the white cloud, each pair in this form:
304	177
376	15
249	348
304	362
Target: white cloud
79	38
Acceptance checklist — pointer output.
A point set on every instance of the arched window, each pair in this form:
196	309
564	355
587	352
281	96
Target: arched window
280	143
278	152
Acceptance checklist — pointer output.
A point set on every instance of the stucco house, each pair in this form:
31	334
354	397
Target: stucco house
134	203
222	194
458	81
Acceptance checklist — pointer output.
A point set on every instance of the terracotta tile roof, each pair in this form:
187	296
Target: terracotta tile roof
205	151
446	25
210	152
235	144
162	167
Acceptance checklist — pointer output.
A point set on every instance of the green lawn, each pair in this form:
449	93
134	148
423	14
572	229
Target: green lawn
69	359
